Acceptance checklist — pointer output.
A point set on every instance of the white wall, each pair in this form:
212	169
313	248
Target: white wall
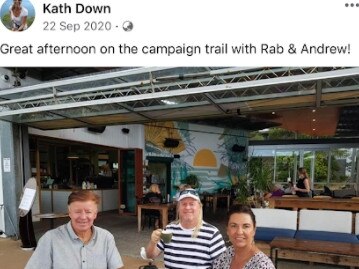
9	84
112	136
2	209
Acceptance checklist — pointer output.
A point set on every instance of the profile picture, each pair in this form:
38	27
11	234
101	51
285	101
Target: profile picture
17	15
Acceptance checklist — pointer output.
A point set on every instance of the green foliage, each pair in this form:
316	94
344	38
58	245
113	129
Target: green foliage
261	174
285	166
192	180
260	179
242	190
6	20
30	20
278	134
321	165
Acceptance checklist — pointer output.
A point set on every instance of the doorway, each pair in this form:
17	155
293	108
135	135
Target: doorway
159	172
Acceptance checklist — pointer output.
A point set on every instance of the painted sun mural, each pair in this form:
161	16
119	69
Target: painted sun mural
206	154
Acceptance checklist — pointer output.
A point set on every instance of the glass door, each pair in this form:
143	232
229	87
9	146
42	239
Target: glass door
131	179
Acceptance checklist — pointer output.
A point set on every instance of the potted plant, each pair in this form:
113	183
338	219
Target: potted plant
261	177
192	180
242	192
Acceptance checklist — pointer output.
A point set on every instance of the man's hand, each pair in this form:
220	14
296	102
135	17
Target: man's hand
156	236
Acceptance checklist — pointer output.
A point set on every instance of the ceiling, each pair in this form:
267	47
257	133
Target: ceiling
319	101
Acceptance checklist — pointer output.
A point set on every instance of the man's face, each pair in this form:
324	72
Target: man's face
189	210
82	215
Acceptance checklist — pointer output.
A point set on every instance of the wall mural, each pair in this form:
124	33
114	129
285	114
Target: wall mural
216	156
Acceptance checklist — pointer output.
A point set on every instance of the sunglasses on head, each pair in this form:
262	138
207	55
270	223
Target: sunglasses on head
193	192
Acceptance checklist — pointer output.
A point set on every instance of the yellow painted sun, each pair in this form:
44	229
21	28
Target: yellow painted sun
205	157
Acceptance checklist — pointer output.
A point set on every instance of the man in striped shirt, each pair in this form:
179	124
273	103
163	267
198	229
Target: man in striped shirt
194	244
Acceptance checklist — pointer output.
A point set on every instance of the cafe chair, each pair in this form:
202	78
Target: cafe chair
148	216
207	199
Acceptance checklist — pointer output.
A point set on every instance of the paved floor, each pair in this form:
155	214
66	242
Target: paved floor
129	240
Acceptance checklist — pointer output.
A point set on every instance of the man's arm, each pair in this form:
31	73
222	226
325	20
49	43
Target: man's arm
151	250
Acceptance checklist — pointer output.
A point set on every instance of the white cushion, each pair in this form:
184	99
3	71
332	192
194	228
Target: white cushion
325	220
275	218
357	224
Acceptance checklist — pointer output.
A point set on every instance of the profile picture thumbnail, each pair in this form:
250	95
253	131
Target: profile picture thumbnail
17	15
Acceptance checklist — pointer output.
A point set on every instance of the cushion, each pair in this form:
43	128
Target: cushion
268	234
275	218
345	193
325	221
357	224
327	236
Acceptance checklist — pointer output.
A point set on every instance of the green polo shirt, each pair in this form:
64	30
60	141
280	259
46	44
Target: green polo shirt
61	248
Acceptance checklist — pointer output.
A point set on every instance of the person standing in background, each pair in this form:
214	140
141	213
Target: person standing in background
302	188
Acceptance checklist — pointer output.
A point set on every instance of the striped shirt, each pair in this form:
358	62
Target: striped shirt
187	252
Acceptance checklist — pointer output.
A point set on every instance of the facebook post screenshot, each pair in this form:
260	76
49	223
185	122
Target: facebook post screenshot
179	134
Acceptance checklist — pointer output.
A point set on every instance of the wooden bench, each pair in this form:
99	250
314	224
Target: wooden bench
311	203
337	253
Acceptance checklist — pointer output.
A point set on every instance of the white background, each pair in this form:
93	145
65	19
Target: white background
196	22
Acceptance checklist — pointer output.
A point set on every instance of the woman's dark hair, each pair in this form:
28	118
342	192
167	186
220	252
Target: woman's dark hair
245	209
83	196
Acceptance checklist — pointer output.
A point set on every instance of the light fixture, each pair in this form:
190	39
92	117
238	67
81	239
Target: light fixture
72	156
171	143
125	130
168	102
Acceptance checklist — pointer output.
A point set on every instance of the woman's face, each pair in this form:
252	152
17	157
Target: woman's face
241	230
82	215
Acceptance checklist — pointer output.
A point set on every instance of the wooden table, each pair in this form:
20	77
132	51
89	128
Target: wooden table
220	196
302	202
52	217
338	253
162	208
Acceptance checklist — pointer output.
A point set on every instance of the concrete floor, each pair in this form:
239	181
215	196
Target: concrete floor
129	240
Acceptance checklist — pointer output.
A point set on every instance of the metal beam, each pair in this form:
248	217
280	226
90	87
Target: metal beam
190	91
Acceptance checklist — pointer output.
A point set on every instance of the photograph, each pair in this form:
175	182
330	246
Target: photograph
17	15
152	161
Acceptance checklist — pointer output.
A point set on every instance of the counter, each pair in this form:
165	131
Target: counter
56	200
